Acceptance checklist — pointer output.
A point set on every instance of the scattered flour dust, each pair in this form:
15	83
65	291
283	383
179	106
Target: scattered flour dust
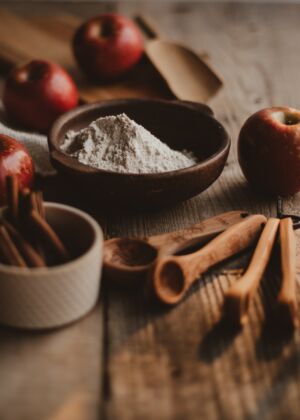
119	144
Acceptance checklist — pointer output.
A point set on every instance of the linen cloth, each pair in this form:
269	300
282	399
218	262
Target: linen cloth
35	143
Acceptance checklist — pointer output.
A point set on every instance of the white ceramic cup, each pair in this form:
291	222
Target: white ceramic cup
48	297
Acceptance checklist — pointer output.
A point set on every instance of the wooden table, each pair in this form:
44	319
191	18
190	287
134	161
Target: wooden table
129	360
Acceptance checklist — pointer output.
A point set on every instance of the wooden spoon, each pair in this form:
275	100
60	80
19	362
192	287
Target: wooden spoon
287	299
186	73
173	276
128	259
239	296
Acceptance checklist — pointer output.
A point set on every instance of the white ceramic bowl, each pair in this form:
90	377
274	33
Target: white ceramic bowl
48	297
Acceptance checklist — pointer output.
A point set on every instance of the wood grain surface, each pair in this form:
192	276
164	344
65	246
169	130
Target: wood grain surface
131	360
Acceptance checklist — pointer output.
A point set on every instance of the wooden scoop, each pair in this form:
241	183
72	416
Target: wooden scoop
186	73
128	259
239	296
173	276
287	299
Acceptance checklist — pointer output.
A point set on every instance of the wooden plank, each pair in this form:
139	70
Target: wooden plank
52	375
27	42
180	363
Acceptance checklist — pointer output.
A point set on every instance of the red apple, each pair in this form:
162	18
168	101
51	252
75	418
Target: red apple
269	150
107	46
14	160
37	93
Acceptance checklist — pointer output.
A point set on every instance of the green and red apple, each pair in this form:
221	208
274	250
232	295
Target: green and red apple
269	150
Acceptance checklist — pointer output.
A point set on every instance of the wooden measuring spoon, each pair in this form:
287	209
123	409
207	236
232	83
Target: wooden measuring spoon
172	276
128	259
287	299
239	296
187	74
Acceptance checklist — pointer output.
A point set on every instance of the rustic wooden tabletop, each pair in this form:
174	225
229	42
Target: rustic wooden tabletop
129	360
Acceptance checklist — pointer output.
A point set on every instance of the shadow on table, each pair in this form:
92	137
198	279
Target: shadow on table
139	308
136	308
273	340
276	332
279	386
217	340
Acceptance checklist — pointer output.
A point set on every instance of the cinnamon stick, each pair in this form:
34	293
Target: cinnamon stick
29	201
44	231
33	205
31	256
24	203
12	197
9	250
40	203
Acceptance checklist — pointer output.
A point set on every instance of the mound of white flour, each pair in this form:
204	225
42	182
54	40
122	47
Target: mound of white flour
117	143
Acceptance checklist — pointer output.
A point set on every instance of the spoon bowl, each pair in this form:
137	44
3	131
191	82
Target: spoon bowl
126	252
172	282
176	62
128	259
188	74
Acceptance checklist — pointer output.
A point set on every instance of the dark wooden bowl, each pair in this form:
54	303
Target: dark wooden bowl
182	125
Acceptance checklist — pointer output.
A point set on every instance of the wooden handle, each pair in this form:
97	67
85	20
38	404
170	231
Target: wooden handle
239	296
172	276
147	26
287	299
172	242
235	239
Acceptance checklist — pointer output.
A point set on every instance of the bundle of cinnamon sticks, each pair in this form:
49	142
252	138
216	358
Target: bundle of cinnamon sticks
26	238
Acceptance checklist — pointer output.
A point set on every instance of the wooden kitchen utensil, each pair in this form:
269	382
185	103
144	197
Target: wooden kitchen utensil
287	299
167	120
189	76
128	259
173	276
239	296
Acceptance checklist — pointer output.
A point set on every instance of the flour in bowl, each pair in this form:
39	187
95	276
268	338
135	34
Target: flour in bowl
119	144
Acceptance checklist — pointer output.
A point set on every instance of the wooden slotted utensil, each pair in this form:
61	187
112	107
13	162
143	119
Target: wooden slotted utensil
172	276
128	259
186	72
239	296
287	302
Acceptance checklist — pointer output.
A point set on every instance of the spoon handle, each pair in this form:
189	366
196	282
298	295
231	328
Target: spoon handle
147	26
235	239
172	276
287	298
239	296
197	234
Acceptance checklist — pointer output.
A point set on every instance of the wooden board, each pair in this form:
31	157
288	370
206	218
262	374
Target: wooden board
181	363
137	361
22	40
